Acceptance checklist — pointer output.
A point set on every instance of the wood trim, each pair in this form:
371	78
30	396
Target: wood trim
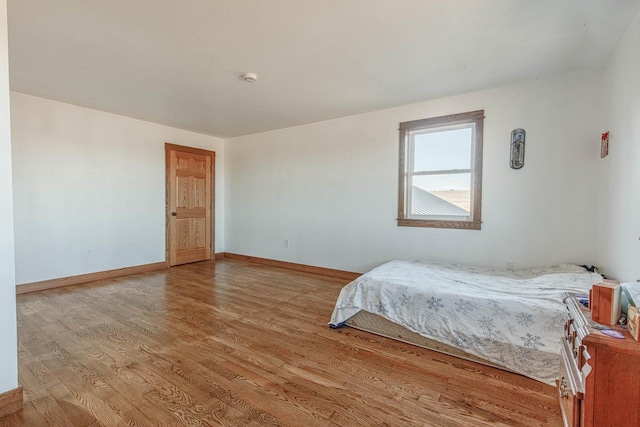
451	119
219	256
476	191
329	272
11	401
464	225
212	218
402	176
192	150
84	278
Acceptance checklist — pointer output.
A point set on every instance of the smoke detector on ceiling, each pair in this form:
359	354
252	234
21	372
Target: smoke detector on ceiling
250	77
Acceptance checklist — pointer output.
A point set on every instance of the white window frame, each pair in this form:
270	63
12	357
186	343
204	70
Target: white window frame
408	130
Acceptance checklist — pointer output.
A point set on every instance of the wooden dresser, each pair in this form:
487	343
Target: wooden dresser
599	382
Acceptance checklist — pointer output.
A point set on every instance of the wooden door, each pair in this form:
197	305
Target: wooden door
190	201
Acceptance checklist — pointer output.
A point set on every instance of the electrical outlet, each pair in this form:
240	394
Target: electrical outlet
510	266
286	243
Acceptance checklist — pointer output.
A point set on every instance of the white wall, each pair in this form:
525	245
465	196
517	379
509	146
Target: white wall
8	328
619	189
331	187
89	188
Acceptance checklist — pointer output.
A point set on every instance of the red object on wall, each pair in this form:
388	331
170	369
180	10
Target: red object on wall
604	145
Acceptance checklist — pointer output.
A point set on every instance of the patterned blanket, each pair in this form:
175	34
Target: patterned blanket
511	318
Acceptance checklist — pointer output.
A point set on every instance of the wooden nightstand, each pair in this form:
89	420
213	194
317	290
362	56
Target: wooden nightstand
599	382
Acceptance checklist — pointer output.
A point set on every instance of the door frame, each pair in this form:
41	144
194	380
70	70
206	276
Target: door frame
173	147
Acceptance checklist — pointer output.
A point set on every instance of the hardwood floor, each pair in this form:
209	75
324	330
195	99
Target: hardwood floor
235	343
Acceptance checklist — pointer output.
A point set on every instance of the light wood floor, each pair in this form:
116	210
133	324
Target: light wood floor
235	343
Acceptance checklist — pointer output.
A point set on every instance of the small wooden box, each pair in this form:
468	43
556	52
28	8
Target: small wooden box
633	321
604	301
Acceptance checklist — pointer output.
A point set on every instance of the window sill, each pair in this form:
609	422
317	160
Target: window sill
463	225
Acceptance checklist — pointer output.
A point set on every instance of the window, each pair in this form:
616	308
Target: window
441	171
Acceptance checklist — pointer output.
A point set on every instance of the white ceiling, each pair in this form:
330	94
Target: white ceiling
179	62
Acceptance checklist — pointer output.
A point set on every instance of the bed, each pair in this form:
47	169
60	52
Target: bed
508	319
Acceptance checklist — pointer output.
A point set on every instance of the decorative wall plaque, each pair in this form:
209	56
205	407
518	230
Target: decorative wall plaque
517	148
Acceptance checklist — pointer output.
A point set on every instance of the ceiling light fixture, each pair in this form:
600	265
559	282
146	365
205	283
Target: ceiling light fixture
250	77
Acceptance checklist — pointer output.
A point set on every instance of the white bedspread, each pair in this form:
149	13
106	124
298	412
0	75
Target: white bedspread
514	319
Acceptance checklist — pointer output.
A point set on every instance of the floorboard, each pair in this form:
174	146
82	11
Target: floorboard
242	344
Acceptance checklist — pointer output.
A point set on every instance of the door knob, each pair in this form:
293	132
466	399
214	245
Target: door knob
174	213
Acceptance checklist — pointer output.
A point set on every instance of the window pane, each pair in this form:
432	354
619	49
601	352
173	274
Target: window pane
441	150
447	195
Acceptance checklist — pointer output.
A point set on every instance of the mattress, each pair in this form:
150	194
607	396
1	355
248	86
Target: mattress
512	320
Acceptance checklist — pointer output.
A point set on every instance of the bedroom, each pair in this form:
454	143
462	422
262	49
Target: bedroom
333	198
